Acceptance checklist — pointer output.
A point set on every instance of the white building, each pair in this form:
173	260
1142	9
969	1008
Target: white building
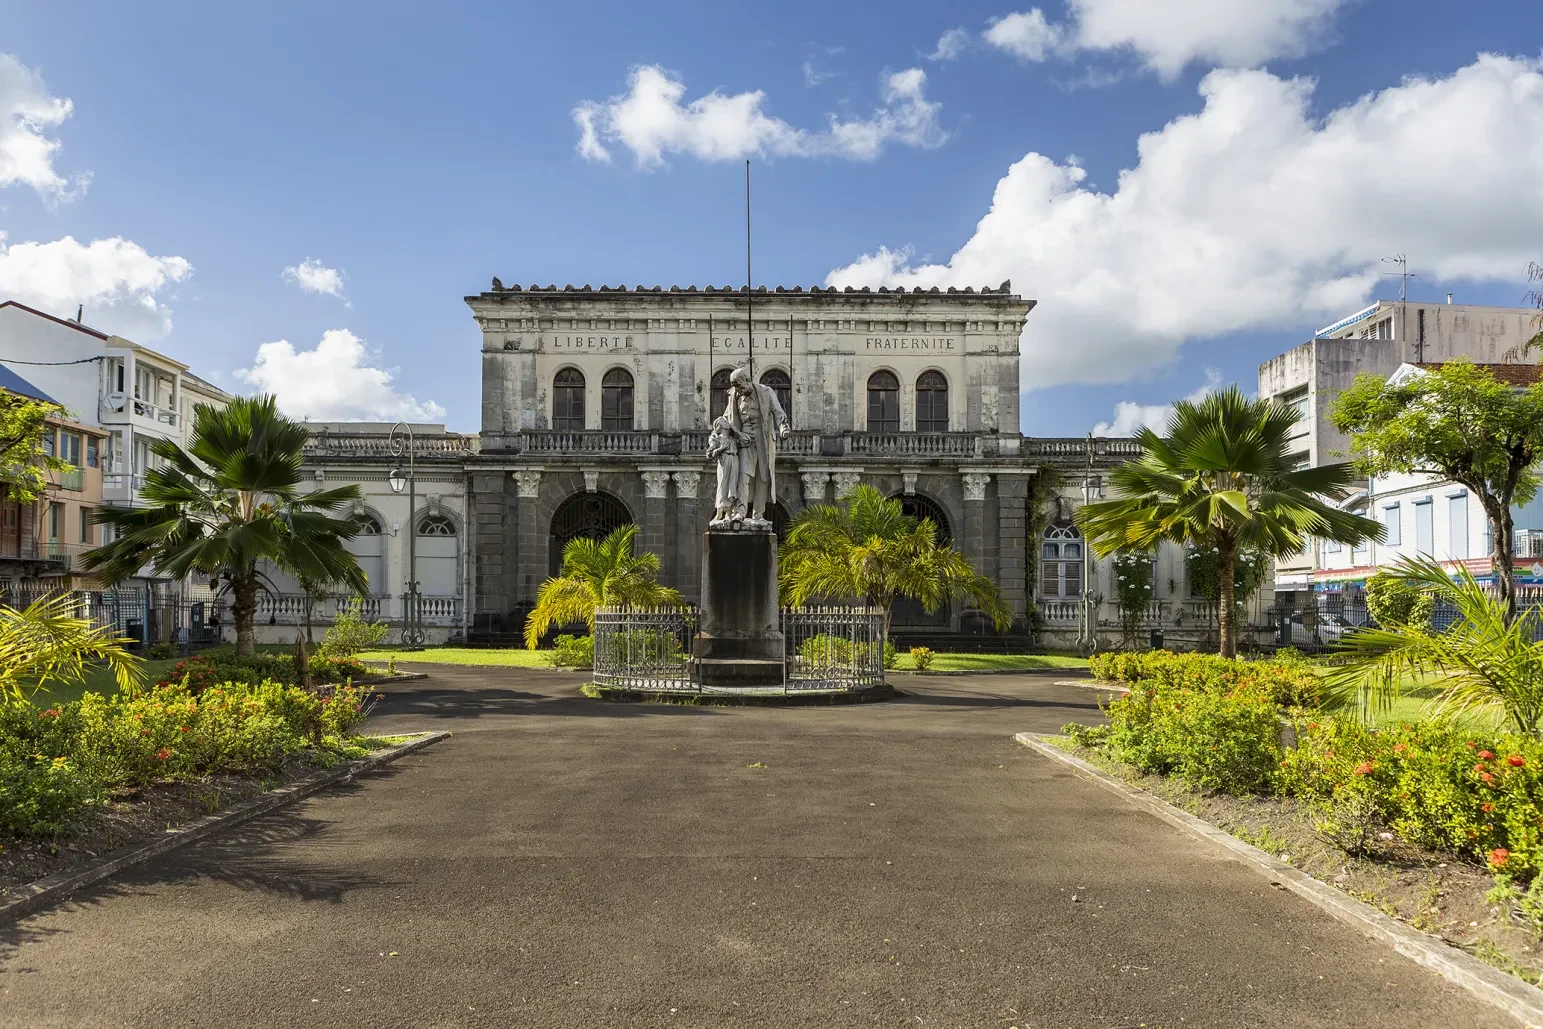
1375	340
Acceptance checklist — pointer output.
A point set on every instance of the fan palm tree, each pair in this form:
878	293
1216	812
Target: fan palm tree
1483	660
1221	480
596	574
871	550
227	503
47	642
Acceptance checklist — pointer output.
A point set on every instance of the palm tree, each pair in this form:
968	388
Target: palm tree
1222	481
596	574
227	503
47	642
1481	660
871	550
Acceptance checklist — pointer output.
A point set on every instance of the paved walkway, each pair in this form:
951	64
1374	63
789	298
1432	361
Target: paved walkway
561	862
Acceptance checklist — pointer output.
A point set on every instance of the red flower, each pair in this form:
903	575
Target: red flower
1486	777
52	712
1487	754
1479	767
1516	761
163	753
1498	857
183	728
1486	807
1364	768
1399	748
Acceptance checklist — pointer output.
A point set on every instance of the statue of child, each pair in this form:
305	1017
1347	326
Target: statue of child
723	446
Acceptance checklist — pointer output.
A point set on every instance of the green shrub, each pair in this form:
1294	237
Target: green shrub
1289	684
574	652
40	796
161	651
922	657
351	634
1220	741
891	654
828	651
1395	601
204	670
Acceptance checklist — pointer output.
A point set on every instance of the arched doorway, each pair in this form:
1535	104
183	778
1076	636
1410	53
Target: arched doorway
778	516
905	612
588	515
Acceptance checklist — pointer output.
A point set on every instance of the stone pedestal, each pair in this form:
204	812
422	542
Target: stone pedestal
739	642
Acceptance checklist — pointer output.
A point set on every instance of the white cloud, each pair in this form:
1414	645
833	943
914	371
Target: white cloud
334	382
116	280
1130	416
314	277
813	76
950	45
1167	36
1254	213
1026	34
651	121
1228	33
27	111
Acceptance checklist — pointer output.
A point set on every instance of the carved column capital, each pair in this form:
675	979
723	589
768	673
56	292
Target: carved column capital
528	481
908	480
846	482
814	486
687	485
656	485
591	480
975	485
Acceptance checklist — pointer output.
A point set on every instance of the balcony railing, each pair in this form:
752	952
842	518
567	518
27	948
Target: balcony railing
62	553
165	416
72	479
796	444
290	608
1529	543
324	444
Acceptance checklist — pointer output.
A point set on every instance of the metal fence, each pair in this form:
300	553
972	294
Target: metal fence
827	649
833	648
645	650
160	613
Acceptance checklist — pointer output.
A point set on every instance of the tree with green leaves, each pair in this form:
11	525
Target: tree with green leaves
596	574
24	467
48	642
1221	480
869	549
1456	422
229	503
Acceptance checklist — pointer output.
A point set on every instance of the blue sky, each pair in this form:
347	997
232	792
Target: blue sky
420	150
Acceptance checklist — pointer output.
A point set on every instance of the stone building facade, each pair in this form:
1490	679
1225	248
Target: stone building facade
596	405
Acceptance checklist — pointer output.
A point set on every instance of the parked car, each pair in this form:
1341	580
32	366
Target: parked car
1328	630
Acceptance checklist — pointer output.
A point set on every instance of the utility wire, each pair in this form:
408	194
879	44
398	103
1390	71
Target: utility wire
83	360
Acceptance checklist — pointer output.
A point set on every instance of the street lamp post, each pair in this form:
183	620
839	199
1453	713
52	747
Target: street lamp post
1087	642
402	443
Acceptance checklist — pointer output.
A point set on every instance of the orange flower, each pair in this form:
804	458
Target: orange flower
1486	777
1498	857
1486	807
1399	748
163	753
1516	761
1487	754
1364	768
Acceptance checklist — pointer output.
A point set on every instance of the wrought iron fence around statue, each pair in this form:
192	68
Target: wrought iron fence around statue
827	649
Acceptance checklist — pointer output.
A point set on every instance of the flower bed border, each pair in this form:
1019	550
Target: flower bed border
1515	997
24	900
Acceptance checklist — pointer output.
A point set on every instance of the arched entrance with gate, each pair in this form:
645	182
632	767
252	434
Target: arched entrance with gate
906	613
584	515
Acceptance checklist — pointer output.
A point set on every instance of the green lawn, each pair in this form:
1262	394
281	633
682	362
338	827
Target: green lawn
994	662
485	656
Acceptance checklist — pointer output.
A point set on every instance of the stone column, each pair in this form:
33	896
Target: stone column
688	542
974	542
1013	544
531	570
846	482
494	551
654	534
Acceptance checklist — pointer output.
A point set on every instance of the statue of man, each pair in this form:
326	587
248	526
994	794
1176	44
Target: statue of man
757	421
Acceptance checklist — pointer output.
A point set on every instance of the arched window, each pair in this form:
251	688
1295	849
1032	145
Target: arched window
435	525
909	613
590	515
366	525
931	403
883	402
369	550
781	385
568	400
919	507
718	402
616	400
1060	562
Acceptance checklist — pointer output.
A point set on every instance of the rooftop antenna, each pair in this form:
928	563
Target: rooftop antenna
749	285
80	312
1402	264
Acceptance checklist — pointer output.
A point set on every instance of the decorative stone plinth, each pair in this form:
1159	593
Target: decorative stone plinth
739	638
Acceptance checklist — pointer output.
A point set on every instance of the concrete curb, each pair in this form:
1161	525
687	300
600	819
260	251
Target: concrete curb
382	680
1516	998
1094	684
34	895
977	671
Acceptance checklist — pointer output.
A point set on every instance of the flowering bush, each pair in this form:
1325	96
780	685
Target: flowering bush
1225	741
922	657
204	670
53	762
573	652
1434	783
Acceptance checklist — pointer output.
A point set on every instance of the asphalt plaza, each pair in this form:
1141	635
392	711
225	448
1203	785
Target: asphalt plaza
567	862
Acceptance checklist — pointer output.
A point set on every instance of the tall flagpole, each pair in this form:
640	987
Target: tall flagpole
749	283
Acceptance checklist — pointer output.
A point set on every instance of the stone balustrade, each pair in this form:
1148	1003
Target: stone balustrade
290	609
